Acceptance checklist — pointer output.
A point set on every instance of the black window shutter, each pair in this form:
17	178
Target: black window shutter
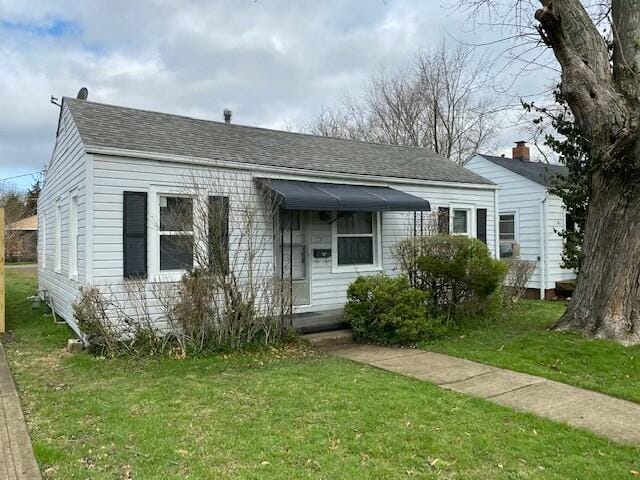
443	220
570	225
481	224
134	242
219	234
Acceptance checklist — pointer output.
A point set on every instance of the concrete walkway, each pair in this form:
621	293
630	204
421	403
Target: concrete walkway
16	454
611	417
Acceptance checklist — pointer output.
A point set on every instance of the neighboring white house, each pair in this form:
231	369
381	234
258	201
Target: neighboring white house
530	216
115	170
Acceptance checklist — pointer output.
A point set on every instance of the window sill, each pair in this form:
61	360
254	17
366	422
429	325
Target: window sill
169	276
356	269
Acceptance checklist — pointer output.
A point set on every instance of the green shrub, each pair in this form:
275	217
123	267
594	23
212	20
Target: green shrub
458	272
388	310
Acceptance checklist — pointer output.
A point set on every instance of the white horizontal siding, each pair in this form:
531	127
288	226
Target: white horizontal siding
524	197
329	289
114	175
556	224
66	173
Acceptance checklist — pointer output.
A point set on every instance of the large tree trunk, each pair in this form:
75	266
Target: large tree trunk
606	302
606	104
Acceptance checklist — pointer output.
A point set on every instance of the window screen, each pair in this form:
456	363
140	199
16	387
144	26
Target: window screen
460	221
507	227
355	251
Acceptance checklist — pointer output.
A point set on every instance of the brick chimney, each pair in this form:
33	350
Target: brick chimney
521	151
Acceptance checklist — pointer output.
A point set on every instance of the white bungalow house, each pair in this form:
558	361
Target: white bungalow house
530	216
115	171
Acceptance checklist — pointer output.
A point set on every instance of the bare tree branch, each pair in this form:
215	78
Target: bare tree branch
441	101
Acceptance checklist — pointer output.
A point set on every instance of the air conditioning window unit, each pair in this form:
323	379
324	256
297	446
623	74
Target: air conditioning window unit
509	250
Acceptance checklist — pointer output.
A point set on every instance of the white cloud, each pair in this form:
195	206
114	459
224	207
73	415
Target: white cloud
273	62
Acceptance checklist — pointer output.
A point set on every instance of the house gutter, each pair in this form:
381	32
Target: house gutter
543	245
118	152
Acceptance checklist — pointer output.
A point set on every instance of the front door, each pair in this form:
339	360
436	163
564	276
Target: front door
293	246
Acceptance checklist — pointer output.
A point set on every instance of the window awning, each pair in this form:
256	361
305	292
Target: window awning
299	195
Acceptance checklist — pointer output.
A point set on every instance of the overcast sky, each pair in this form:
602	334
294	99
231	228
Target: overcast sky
274	63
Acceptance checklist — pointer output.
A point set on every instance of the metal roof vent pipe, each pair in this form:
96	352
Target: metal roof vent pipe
83	94
227	115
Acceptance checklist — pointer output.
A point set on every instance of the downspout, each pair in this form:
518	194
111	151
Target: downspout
543	245
496	223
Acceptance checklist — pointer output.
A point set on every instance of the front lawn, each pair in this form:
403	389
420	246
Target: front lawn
272	415
521	340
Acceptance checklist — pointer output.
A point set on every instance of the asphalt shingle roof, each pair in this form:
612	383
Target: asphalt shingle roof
539	172
112	126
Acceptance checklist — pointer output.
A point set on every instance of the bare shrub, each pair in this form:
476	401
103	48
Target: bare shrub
231	298
90	312
208	312
116	321
221	232
519	274
414	241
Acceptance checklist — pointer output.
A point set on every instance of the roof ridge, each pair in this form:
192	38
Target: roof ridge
532	162
538	172
134	129
252	127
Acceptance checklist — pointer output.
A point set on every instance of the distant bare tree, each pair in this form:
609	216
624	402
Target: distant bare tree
13	203
441	101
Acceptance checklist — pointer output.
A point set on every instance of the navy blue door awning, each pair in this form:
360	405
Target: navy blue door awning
299	195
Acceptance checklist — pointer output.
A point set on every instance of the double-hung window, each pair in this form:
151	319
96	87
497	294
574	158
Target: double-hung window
356	239
176	233
507	234
461	221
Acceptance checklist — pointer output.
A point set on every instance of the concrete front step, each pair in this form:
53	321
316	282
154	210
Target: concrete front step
329	339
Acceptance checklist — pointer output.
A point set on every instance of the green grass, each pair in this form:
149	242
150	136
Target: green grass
521	340
283	414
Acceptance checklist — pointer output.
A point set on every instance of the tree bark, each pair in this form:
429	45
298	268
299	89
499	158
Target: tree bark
603	94
606	301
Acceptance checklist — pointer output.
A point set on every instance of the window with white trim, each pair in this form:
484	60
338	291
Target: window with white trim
73	237
58	258
507	234
356	239
461	221
176	233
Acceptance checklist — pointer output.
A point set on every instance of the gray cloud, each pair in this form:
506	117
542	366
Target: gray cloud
274	62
